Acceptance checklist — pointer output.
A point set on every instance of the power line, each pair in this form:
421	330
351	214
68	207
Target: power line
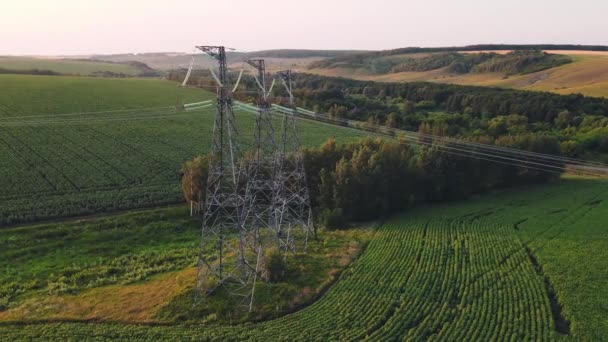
457	141
428	144
382	129
347	122
86	113
535	163
135	117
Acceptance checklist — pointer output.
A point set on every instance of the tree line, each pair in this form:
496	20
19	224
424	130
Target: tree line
579	123
515	62
357	57
371	178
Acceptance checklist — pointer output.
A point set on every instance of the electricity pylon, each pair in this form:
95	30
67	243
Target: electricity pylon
258	197
259	171
293	211
227	262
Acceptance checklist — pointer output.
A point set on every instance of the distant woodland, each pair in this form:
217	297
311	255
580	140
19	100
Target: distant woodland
512	63
578	123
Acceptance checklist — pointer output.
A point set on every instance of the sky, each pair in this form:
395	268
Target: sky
68	27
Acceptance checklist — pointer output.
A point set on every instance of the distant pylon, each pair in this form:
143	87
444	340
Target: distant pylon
293	211
222	261
259	171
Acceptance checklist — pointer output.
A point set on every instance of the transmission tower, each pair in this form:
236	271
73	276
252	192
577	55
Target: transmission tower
260	188
293	212
229	263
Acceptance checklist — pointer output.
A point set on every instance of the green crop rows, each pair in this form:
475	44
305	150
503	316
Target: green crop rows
488	269
114	161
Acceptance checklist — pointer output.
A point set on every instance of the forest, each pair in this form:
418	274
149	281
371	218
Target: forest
371	179
351	58
579	123
512	63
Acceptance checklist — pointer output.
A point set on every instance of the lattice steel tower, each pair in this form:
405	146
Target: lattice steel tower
293	212
229	262
261	187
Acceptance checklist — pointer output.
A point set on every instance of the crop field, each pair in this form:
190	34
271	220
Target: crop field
515	265
65	66
56	164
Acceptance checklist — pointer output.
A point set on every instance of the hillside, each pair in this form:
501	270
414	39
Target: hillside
524	264
587	73
174	60
57	163
80	67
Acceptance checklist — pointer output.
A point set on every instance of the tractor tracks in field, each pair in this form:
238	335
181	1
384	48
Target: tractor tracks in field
561	324
27	148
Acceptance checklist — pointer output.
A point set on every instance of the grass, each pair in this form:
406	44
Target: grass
121	303
139	267
84	164
66	66
524	264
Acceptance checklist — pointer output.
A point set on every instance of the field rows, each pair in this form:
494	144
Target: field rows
472	271
418	280
48	153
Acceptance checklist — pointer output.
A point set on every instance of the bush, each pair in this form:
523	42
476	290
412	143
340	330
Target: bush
276	267
332	218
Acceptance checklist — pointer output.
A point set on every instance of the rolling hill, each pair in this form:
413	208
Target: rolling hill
64	66
174	60
586	74
584	68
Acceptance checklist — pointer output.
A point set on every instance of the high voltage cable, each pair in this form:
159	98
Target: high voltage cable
449	150
429	144
85	113
415	140
502	149
487	151
103	116
51	120
92	121
528	154
461	142
380	128
139	117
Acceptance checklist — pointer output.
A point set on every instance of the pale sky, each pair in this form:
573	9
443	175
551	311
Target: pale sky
118	26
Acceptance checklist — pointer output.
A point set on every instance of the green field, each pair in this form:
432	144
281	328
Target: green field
515	265
66	66
105	269
57	164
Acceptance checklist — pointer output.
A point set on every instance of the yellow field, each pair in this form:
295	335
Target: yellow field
587	74
124	303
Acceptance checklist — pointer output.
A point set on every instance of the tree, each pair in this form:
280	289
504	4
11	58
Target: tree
392	120
569	148
409	107
194	178
563	119
516	124
497	126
